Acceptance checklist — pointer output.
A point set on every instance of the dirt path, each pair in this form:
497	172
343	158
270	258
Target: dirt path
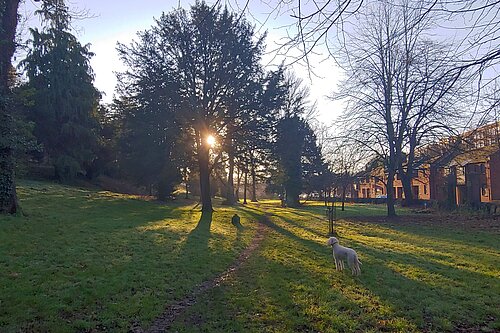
163	322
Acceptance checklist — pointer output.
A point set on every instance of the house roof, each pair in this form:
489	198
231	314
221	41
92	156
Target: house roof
462	149
474	156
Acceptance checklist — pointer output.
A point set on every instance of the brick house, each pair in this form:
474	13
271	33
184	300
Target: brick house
477	176
467	172
371	184
420	185
459	170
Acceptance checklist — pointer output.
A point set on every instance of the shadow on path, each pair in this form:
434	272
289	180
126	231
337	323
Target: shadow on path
201	233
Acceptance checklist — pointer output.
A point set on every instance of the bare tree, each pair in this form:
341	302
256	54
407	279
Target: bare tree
428	92
347	159
399	89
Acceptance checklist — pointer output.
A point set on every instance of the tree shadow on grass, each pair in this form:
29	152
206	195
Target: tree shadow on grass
434	293
196	243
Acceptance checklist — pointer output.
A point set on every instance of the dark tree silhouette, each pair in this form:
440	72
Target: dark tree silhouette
65	100
8	23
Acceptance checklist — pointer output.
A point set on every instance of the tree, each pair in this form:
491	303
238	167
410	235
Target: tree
154	143
347	160
294	141
246	117
400	88
65	102
429	93
8	22
289	147
257	126
473	23
315	172
213	53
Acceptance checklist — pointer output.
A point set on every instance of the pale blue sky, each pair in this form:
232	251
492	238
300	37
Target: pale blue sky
119	21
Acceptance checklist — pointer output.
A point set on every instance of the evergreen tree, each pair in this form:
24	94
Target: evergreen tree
294	153
289	147
315	173
65	100
252	127
213	56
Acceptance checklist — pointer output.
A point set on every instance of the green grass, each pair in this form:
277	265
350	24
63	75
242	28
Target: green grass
86	261
83	260
413	279
351	210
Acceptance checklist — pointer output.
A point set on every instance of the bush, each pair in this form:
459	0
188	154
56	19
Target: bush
67	168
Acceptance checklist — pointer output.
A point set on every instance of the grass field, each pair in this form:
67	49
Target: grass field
84	260
90	261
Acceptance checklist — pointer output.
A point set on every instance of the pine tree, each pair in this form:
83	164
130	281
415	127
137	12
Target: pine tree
65	102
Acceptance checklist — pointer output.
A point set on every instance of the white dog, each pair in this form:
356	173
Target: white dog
341	253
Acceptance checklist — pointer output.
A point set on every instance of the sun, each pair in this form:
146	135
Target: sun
211	140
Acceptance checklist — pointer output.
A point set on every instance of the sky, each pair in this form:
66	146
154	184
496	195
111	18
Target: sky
110	22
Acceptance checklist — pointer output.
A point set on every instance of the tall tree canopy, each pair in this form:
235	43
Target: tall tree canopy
212	56
65	100
400	87
299	157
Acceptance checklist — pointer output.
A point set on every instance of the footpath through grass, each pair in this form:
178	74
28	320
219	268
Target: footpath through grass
413	279
85	261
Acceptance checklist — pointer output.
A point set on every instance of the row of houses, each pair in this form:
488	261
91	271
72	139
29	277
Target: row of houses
460	170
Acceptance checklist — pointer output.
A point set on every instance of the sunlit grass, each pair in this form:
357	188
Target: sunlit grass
98	261
413	278
84	260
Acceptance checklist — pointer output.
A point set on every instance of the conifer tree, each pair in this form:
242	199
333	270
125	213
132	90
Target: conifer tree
65	102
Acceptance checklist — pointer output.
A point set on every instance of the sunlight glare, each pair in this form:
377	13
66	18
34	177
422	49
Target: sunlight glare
211	140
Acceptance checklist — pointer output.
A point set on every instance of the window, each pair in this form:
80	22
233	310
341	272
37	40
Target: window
484	190
415	191
483	169
400	193
425	189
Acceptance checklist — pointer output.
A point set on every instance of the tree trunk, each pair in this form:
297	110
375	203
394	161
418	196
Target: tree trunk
203	161
245	185
406	176
292	197
254	181
8	21
238	183
391	210
230	199
406	181
343	196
